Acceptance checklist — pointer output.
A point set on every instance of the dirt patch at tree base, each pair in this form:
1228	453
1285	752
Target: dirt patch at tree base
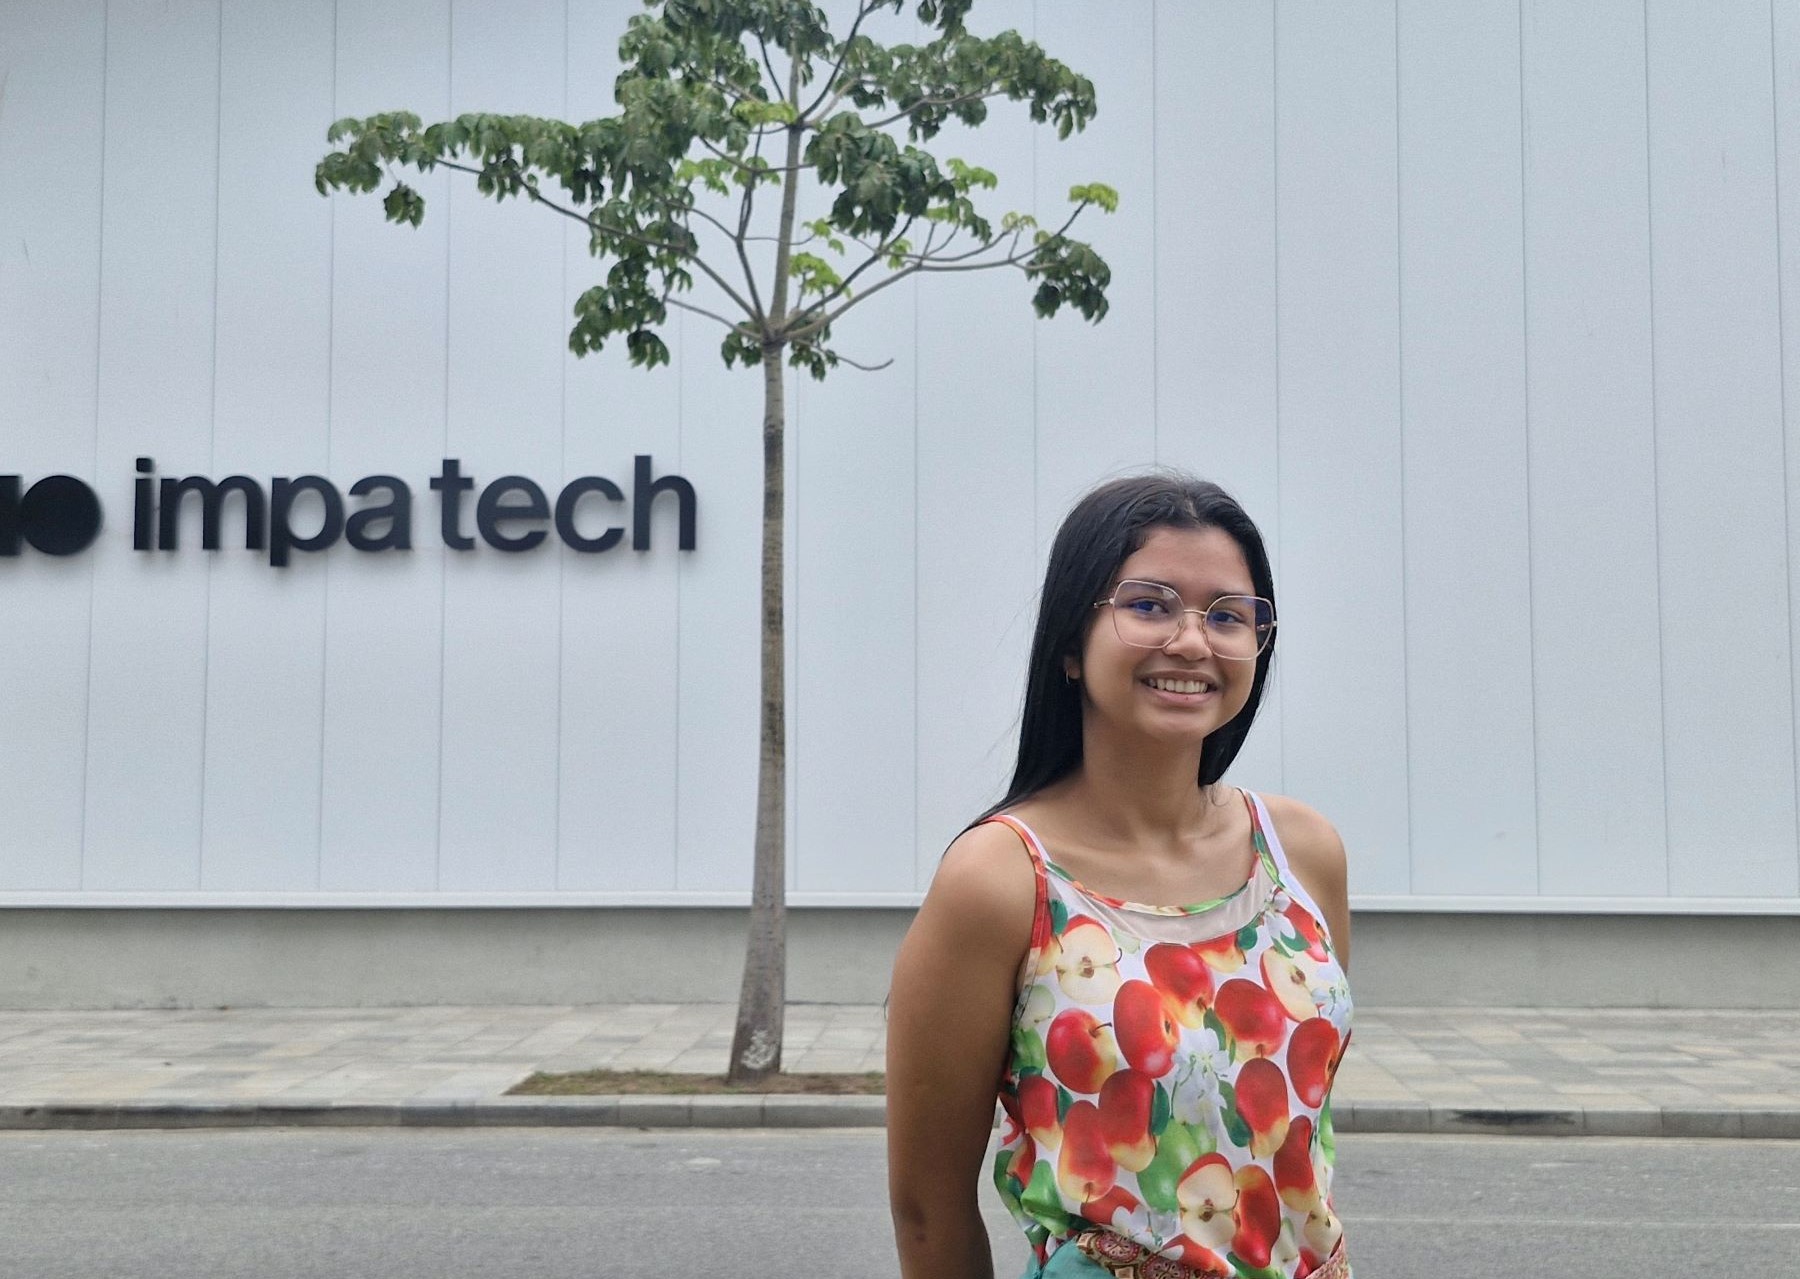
588	1082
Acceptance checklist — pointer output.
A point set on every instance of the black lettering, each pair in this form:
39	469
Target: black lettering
572	493
490	514
212	501
396	511
9	515
452	483
143	507
643	493
282	494
60	515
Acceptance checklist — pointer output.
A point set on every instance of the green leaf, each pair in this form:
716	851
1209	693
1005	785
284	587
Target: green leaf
1002	1167
1064	1100
1162	1109
968	175
1246	938
1028	1050
403	204
755	112
1210	1020
1235	1127
1059	917
1043	1201
1096	193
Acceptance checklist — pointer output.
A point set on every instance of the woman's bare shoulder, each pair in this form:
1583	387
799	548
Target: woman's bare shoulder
985	877
1300	825
974	928
1312	844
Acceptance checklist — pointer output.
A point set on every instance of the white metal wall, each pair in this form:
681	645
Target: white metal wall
1479	307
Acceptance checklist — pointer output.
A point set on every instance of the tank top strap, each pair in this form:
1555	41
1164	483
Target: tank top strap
1270	842
1265	839
1027	836
1040	914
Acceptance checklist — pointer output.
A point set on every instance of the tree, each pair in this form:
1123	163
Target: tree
668	191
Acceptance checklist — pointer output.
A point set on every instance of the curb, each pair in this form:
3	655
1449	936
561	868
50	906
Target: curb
791	1111
644	1111
1567	1121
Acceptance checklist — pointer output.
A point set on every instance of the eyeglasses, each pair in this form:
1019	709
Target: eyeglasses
1151	615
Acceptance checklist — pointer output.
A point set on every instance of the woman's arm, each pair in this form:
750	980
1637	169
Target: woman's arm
1316	853
949	1024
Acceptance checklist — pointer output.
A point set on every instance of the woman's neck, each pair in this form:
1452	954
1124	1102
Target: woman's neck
1142	795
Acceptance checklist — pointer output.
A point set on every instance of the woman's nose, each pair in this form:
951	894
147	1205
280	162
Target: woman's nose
1191	638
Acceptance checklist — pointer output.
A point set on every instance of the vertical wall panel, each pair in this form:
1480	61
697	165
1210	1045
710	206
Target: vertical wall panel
976	558
1467	551
384	610
1343	641
148	684
620	608
502	624
855	668
721	444
1593	453
1721	484
1785	36
52	64
1216	377
272	392
1096	412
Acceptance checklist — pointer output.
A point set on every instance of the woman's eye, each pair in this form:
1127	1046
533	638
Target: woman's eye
1223	617
1149	608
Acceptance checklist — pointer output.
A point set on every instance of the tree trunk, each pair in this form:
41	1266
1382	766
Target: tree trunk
756	1043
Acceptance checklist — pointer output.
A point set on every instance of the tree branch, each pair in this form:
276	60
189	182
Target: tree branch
774	79
937	102
736	326
819	321
748	168
844	359
876	254
863	10
589	221
756	309
784	224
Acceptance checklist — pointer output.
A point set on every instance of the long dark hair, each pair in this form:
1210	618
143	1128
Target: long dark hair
1102	531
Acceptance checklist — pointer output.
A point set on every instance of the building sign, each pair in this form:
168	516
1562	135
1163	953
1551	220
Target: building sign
61	515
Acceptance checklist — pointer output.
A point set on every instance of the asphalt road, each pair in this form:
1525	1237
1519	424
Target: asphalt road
555	1203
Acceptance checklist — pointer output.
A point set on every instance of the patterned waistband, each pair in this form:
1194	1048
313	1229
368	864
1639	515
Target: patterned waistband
1126	1259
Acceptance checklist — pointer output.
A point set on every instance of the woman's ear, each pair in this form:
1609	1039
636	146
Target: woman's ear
1071	670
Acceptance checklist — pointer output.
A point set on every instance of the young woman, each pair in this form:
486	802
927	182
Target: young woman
1144	964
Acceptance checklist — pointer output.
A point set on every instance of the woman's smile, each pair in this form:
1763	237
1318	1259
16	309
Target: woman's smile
1176	690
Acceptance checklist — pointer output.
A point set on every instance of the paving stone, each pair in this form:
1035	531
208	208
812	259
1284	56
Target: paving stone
1617	1066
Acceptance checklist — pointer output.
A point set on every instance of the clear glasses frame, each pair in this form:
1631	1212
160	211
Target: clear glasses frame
1259	607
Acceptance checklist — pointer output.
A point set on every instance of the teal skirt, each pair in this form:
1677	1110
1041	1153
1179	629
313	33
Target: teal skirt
1065	1263
1073	1263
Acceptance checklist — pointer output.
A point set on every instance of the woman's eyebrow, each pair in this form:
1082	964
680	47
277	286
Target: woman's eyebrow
1211	593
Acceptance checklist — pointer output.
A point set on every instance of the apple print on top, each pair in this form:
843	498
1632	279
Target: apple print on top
1170	1072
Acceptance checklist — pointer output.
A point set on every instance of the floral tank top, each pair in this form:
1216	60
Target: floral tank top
1170	1071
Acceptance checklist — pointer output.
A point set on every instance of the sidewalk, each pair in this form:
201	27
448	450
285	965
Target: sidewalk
1595	1072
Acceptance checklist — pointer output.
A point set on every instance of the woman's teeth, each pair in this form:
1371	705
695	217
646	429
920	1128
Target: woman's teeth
1179	685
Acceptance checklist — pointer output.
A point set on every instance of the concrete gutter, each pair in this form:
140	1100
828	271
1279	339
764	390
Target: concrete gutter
789	1111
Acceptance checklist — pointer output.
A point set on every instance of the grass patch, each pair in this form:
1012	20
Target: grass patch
587	1082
